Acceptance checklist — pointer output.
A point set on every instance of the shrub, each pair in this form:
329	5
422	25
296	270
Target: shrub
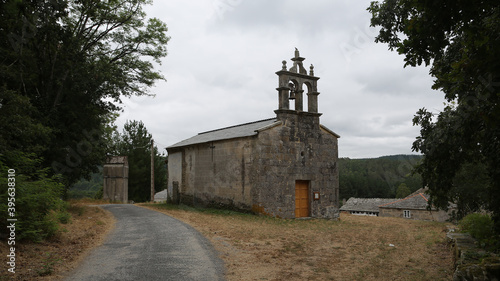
99	193
36	197
480	226
63	217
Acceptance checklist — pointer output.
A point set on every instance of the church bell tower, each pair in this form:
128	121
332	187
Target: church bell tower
293	83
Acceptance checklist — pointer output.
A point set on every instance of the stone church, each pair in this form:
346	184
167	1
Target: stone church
284	166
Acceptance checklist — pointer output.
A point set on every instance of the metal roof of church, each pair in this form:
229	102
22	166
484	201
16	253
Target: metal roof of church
238	131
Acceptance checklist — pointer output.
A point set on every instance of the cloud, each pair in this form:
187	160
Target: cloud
223	56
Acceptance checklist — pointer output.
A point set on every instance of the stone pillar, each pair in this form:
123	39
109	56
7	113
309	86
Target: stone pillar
175	193
312	102
299	99
283	95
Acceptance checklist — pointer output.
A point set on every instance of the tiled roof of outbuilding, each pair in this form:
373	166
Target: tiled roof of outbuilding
238	131
416	201
365	204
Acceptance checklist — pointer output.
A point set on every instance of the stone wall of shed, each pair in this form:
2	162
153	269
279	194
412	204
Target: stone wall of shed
174	167
217	174
115	174
298	149
440	215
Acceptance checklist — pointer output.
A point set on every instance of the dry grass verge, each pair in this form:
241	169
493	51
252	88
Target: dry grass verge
48	260
354	248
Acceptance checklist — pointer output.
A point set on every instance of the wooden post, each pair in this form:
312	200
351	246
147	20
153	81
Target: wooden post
152	172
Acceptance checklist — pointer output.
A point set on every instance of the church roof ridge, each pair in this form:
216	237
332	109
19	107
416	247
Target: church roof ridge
231	132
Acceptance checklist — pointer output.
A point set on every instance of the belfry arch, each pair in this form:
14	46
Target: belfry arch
297	85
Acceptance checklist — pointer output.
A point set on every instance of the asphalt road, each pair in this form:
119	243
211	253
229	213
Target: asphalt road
148	245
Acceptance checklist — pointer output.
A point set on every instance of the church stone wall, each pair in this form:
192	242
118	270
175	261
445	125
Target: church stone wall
259	173
217	174
296	150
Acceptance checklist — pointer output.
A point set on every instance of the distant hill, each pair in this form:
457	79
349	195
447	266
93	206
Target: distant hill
377	177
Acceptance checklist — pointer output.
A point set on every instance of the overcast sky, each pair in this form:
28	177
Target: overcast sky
222	59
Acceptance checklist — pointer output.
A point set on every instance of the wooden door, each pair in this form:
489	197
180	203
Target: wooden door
301	199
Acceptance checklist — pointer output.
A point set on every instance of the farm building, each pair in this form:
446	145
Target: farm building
364	206
414	206
285	166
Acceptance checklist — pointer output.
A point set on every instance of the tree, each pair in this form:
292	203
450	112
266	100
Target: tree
460	41
71	62
24	183
402	191
470	189
135	142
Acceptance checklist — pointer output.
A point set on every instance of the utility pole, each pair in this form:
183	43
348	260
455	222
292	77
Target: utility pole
152	172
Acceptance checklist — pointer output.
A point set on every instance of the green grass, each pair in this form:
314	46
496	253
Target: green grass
212	211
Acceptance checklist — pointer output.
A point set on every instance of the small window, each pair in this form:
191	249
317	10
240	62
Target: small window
406	214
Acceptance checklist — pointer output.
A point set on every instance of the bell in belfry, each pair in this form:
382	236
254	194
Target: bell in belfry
291	85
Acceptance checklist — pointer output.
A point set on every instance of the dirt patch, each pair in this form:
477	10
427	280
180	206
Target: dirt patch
354	248
48	260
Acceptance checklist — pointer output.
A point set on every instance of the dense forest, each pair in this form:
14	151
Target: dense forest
378	177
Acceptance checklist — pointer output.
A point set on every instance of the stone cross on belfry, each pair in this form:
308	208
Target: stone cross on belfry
297	62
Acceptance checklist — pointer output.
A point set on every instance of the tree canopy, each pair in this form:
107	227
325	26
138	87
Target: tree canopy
135	142
65	65
460	41
70	62
402	191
